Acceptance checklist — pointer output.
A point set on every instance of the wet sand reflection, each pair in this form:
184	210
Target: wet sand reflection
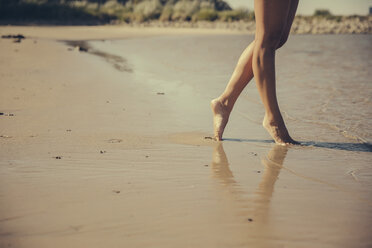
256	208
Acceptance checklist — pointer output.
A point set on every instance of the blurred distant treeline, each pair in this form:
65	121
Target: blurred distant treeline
133	11
108	11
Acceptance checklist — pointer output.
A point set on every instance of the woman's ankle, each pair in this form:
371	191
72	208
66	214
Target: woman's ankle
273	120
227	103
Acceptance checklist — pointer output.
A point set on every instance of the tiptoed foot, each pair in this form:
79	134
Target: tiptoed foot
278	132
220	118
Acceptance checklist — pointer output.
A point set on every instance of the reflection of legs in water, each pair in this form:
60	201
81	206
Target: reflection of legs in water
273	163
220	165
256	209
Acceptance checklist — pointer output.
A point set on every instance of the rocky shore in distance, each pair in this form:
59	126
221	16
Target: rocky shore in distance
338	25
301	25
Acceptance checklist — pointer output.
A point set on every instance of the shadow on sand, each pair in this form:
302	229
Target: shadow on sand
355	147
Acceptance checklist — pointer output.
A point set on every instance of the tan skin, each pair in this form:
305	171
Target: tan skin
273	23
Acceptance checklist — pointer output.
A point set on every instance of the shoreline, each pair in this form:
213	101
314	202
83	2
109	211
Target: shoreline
104	32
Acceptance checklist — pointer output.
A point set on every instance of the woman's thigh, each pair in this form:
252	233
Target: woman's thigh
271	19
288	25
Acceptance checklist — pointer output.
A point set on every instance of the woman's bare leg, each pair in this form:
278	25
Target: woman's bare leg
242	75
223	105
271	20
290	18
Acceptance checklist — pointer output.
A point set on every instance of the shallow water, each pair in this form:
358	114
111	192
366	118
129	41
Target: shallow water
271	196
324	81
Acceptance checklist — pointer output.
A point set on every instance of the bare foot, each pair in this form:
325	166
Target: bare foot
278	132
220	118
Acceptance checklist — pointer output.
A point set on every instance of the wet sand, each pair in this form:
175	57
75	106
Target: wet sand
100	148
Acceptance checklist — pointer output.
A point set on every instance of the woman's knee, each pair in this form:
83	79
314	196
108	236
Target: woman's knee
268	40
284	37
282	41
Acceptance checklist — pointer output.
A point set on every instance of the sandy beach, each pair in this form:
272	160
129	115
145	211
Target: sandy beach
104	141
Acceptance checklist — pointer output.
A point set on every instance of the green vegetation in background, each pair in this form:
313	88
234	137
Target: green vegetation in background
104	11
324	13
108	11
327	15
236	15
18	10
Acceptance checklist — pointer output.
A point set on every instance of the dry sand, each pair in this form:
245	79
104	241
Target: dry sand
91	158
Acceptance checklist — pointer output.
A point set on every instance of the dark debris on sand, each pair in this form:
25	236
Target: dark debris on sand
116	61
17	38
6	114
5	136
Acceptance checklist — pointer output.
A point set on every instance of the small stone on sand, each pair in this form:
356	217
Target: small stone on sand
115	140
82	49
